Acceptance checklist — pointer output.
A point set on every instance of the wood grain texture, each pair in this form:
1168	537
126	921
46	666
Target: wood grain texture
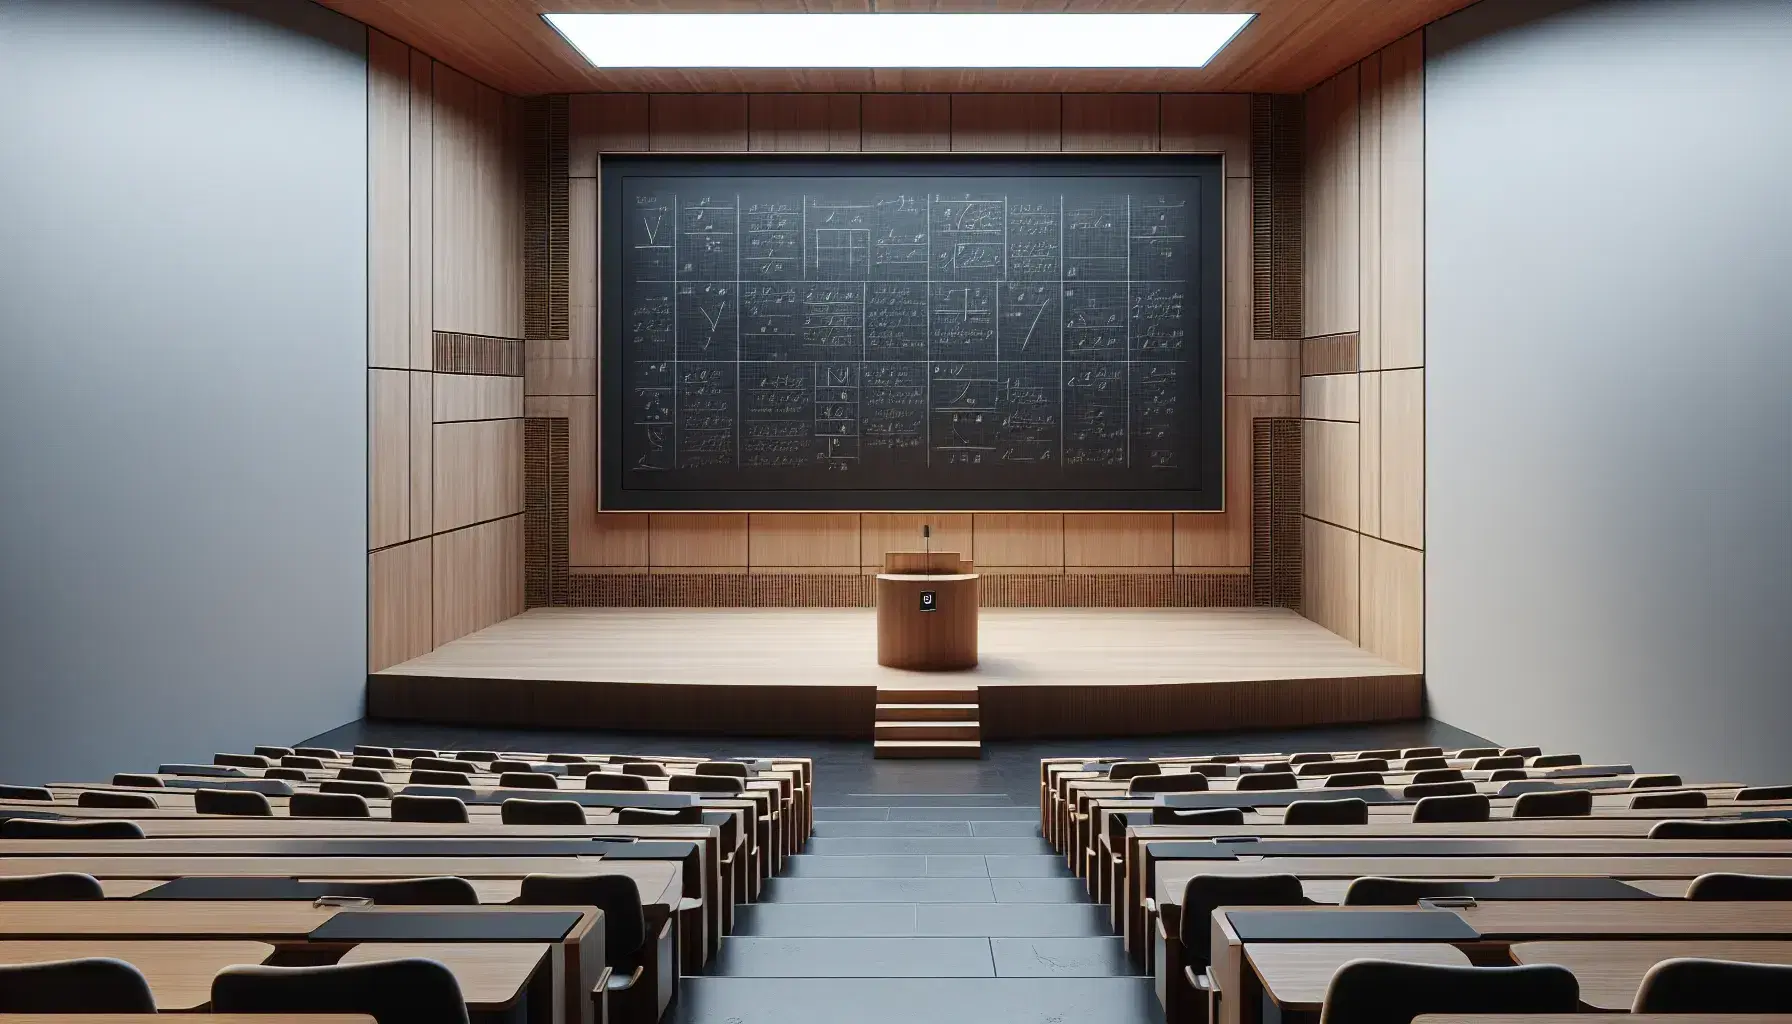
609	540
1237	242
422	454
1331	213
1021	540
179	972
1329	478
1369	213
1333	396
582	287
1369	452
881	532
478	577
603	123
388	201
473	396
1329	587
706	539
1115	123
1391	606
941	639
422	212
1263	376
492	975
400	622
1119	540
478	471
388	457
1403	457
786	540
803	122
688	123
1208	123
897	123
1224	539
1403	204
994	123
478	202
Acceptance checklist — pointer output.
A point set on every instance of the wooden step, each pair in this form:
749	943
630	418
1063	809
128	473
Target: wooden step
962	730
929	748
926	712
968	695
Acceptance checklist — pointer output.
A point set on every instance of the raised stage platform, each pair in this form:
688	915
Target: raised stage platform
814	672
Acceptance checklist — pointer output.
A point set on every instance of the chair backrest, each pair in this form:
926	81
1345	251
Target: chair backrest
241	760
1420	791
731	769
413	752
429	808
366	750
616	783
354	774
436	891
26	793
1655	781
1765	793
1411	752
1205	892
1507	774
1470	753
1748	828
713	784
528	780
1121	771
645	769
1343	779
502	765
1521	752
1427	764
375	761
565	759
1212	816
1349	811
317	751
140	781
1555	760
86	828
1191	782
275	753
289	774
1568	803
625	925
241	802
1309	757
87	985
1684	798
1431	775
692	815
1485	764
61	886
1384	992
407	991
370	790
1258	781
327	805
482	756
1372	891
428	777
113	798
442	764
1727	887
1377	755
1693	985
517	811
302	761
1468	807
1361	764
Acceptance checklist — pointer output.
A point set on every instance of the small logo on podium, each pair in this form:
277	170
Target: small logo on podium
929	601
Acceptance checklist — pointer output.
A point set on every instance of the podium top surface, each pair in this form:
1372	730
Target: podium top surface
928	577
926	563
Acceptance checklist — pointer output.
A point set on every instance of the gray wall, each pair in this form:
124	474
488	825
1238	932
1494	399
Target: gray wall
183	424
1609	351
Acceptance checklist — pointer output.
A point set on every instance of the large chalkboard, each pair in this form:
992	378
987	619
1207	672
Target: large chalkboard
892	333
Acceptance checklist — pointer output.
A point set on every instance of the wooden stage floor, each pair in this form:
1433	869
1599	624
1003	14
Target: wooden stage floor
814	671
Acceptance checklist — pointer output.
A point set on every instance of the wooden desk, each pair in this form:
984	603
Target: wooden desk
179	972
492	975
1610	972
1295	975
1591	1018
188	1018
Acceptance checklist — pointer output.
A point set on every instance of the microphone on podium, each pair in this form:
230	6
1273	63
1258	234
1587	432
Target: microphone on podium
927	539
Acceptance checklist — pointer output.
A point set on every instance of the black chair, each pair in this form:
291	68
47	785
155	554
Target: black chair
626	947
1487	764
616	783
1343	779
503	765
692	815
86	828
241	760
1372	891
1655	781
1725	887
1555	760
1213	816
59	887
1349	811
1426	764
1411	752
728	769
436	891
353	774
289	774
1310	757
1693	985
1190	782
1748	828
1507	774
715	785
446	809
26	793
1470	753
1685	798
1261	781
482	756
370	790
113	798
1124	770
566	759
367	750
1423	790
140	781
317	751
426	777
327	805
408	991
240	802
1469	807
1204	893
1431	775
1365	764
442	764
1522	752
1568	803
646	770
1384	992
528	780
1377	755
273	753
1765	793
375	762
302	761
88	985
413	752
517	811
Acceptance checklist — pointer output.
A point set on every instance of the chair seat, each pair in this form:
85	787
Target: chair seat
623	979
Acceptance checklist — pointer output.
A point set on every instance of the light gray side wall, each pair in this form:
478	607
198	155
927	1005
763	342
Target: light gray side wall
1609	388
183	427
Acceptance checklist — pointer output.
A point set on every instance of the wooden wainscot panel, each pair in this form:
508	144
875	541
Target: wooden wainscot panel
1329	577
598	123
1119	539
422	212
1332	396
1403	204
1237	320
399	620
1329	471
423	453
882	532
1224	539
582	290
803	122
1015	712
388	201
388	457
478	577
699	540
1369	451
1006	123
906	123
784	540
1209	123
478	209
472	396
478	471
1024	540
608	540
1393	602
1369	214
1330	210
696	123
1110	123
1403	457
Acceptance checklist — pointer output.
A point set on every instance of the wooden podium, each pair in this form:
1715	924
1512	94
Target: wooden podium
926	611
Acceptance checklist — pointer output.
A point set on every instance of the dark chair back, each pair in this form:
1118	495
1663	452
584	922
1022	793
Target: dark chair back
370	790
1343	779
1377	755
240	802
375	762
1765	793
302	761
1555	760
1384	992
274	753
1431	775
1203	893
26	793
1522	752
1726	887
85	828
1684	798
1191	782
528	780
88	985
1350	811
730	769
289	774
436	891
241	760
1411	752
140	781
1469	807
1123	770
518	811
317	751
502	765
354	774
327	805
1487	764
482	756
1370	891
645	769
407	991
1362	764
413	752
616	783
1420	791
715	785
368	750
1748	828
60	887
1212	816
427	777
113	798
625	925
1507	774
1260	781
1655	781
1470	753
447	809
1309	757
1427	764
442	764
1568	803
1693	985
692	815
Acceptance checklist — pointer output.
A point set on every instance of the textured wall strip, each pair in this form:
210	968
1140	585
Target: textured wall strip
478	353
1276	512
1331	353
999	590
557	582
545	226
537	524
1276	188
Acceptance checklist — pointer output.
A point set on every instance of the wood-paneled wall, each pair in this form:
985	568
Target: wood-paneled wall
561	374
1363	361
445	241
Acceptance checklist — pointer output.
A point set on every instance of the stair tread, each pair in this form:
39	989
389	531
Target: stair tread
973	707
905	724
928	743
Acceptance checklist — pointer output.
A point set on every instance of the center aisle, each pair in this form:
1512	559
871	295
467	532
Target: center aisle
926	895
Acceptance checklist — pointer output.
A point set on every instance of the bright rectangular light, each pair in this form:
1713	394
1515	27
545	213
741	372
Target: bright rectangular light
898	40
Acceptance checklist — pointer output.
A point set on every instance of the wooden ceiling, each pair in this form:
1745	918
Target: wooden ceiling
1290	46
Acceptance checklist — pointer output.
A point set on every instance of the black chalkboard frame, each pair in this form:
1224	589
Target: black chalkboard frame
1209	442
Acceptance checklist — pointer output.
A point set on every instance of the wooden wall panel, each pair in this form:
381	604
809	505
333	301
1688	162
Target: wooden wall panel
1269	375
778	541
1238	251
400	625
476	396
1020	541
478	577
422	206
698	123
1329	577
388	201
1403	457
1330	255
582	291
1403	203
478	228
1006	123
478	472
423	453
388	457
1224	539
1369	452
880	532
1369	215
1111	123
1329	478
609	540
905	123
1393	602
715	541
604	123
803	122
1332	396
1208	123
1119	541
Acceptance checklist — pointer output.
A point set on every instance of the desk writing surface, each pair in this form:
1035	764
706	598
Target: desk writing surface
179	972
126	918
1599	1018
492	975
310	867
1296	974
1610	972
186	1018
